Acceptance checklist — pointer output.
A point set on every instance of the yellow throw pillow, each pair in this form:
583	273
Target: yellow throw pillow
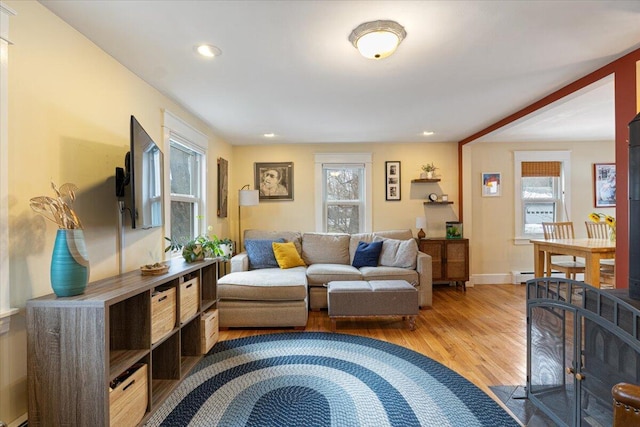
287	255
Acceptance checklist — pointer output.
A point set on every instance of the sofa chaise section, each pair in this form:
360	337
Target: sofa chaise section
266	297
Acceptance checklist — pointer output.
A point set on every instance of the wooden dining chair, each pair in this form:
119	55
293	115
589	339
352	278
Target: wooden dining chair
561	230
600	230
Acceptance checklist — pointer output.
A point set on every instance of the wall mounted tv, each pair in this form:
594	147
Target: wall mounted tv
140	183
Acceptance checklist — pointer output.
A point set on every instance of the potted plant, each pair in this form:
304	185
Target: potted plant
429	170
201	247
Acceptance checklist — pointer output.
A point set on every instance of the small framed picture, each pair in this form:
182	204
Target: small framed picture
392	180
491	184
604	185
274	180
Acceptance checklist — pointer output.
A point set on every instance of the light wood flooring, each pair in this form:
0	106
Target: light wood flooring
480	334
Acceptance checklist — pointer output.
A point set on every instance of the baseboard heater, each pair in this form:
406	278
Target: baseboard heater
520	277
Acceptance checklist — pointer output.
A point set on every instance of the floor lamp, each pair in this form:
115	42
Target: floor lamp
246	197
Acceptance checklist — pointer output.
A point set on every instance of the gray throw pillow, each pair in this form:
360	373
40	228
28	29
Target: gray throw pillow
260	253
398	253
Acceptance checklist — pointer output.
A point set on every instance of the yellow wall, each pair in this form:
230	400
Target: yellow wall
489	221
299	214
69	109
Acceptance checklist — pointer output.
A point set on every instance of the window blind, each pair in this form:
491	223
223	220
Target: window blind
541	169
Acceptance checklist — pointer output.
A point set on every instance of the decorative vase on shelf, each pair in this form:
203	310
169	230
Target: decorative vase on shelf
69	263
430	175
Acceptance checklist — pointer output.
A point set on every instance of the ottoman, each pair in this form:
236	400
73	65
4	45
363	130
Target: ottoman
372	298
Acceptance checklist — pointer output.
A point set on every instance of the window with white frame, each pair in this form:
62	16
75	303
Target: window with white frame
343	186
185	178
343	197
542	192
186	166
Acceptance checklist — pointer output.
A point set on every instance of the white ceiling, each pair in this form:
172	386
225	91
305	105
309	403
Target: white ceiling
287	67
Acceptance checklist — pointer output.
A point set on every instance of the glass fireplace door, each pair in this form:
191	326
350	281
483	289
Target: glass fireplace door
552	362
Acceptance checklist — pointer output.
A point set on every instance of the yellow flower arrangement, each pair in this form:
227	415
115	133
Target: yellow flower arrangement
608	219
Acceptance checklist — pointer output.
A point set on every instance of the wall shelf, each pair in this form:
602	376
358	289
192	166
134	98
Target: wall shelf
426	180
438	203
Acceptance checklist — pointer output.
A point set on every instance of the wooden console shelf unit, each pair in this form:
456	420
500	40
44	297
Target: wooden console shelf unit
449	259
76	346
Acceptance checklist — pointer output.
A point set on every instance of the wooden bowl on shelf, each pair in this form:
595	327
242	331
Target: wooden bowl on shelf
154	269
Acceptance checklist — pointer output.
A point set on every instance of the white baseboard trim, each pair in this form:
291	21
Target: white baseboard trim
515	278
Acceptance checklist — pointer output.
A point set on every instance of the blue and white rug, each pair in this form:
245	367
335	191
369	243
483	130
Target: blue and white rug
324	379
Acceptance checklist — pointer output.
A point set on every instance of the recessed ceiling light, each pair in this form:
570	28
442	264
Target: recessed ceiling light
427	133
208	50
269	135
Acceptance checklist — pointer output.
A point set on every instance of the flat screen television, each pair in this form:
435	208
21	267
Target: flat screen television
140	183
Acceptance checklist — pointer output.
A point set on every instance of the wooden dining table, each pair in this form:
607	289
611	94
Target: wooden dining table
592	250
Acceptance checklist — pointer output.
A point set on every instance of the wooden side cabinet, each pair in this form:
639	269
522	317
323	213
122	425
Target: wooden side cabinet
449	259
81	349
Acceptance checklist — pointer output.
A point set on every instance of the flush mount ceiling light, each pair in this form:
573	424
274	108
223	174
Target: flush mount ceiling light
208	50
377	39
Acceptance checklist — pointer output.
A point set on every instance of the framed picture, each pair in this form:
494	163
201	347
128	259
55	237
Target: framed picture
491	184
274	180
223	187
392	180
604	185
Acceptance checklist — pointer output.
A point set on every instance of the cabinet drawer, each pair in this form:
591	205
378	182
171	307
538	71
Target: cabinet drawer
209	329
189	292
128	400
163	313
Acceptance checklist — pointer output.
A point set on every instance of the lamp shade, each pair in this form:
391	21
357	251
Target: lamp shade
248	197
421	222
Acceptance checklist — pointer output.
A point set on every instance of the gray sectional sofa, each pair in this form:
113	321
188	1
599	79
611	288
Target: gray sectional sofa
275	297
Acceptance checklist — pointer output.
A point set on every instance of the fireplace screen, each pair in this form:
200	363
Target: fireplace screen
581	342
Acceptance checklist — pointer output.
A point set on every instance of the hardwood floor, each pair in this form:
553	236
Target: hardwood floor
481	334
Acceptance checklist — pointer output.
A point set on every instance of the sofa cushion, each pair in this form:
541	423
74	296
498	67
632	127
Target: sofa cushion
268	284
325	248
398	253
320	274
390	273
395	234
288	236
354	240
286	255
260	253
367	254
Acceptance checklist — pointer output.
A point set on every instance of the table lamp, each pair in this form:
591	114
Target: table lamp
421	222
246	197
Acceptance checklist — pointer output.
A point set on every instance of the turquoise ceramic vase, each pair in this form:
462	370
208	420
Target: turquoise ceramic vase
69	263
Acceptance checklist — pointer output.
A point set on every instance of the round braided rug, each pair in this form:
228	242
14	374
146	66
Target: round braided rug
324	379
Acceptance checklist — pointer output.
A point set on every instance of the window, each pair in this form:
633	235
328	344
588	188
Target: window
542	192
344	183
186	166
186	191
343	198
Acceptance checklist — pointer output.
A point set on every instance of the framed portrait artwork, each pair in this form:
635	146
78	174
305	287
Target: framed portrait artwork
274	180
223	187
392	180
491	184
604	185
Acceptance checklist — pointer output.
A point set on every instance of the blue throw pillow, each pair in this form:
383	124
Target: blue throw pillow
367	254
260	253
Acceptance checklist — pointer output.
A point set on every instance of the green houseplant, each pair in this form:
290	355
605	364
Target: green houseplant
428	169
203	246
